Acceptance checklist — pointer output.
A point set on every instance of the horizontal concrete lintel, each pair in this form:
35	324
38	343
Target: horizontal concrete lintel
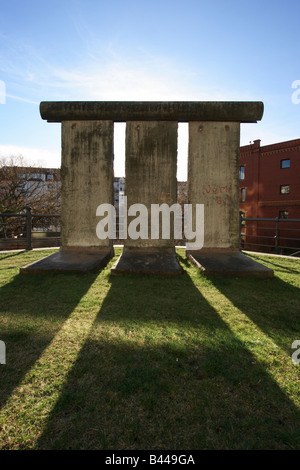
181	111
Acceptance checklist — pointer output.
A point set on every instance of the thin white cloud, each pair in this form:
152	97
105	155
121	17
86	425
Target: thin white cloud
19	98
106	76
40	156
114	81
103	72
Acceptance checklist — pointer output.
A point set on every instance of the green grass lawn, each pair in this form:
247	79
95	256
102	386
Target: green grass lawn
102	362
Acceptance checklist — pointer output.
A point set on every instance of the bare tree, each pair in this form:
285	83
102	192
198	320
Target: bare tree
22	184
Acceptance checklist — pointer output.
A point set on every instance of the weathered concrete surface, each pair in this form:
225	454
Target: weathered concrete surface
136	262
213	180
69	262
87	182
150	168
228	264
122	111
151	165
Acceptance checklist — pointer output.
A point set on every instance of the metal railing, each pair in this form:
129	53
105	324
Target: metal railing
278	235
26	236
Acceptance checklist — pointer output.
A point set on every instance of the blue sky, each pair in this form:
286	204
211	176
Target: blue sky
145	50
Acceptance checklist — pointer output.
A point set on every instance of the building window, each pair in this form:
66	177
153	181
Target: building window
242	217
37	177
243	194
285	163
242	172
285	189
283	215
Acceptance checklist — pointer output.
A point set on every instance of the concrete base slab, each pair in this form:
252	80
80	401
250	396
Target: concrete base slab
228	264
164	264
69	262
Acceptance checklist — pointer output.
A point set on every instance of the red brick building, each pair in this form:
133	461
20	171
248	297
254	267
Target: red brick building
270	188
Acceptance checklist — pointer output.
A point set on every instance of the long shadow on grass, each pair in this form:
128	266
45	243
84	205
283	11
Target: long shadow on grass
272	304
10	255
161	370
33	308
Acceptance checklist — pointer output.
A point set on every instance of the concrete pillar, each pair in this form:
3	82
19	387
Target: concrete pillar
87	181
151	166
213	180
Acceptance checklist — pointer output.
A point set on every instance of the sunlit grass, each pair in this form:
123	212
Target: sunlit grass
134	362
